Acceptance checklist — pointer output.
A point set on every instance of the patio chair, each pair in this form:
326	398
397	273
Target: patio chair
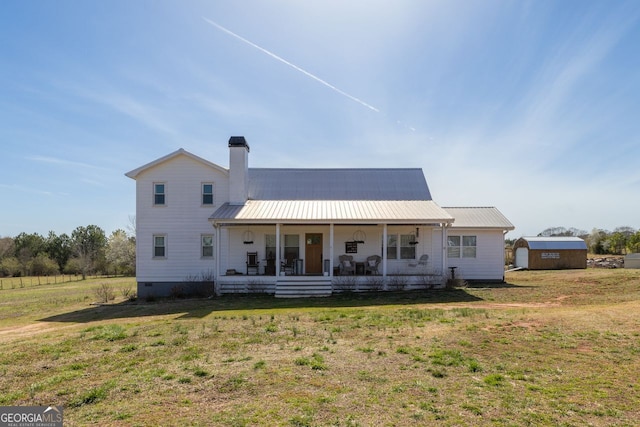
421	262
287	264
371	264
347	265
253	265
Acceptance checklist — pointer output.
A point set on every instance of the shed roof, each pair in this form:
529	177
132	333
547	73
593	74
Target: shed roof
556	243
479	217
334	211
337	184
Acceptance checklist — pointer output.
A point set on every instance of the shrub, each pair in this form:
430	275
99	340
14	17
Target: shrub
104	293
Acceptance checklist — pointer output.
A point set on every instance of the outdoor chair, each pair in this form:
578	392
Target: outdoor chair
347	265
371	264
253	264
421	262
287	264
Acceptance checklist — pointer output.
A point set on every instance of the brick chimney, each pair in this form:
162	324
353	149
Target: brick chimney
238	170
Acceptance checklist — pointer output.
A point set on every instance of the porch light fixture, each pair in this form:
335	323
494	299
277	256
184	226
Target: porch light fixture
247	237
359	236
413	241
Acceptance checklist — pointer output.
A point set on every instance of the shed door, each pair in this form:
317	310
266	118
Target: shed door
522	257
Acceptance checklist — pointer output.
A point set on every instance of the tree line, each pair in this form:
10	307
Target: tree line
620	241
87	251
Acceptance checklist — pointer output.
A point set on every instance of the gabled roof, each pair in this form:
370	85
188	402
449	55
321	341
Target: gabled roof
337	184
181	152
479	217
556	243
334	211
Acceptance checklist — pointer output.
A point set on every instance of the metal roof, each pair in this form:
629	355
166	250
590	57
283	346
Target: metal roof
333	211
545	243
478	217
337	184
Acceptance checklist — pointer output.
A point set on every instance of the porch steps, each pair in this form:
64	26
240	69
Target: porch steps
303	287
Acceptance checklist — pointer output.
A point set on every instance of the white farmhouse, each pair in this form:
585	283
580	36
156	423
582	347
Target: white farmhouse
302	232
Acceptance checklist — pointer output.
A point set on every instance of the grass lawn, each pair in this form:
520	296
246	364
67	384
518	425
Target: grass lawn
547	348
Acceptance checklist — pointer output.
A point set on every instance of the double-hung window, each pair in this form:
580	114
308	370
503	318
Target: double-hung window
392	246
207	246
291	247
461	246
406	249
207	193
159	195
407	246
159	246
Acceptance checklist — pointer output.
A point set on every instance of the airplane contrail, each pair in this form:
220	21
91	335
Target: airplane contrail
295	67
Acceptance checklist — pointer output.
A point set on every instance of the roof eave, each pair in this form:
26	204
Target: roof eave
133	174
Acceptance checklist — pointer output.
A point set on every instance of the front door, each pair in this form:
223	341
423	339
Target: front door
313	253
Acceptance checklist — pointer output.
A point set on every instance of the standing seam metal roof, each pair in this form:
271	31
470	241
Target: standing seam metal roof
479	217
347	211
337	184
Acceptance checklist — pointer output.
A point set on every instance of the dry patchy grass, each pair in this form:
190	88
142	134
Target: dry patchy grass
549	348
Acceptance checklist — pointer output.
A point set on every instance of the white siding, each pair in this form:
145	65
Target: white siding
489	261
183	219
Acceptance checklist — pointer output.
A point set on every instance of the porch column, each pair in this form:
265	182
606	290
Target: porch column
216	227
444	250
330	250
384	253
277	250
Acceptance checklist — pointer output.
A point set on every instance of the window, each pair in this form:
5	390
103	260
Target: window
158	194
392	246
468	246
453	246
207	246
291	247
207	194
159	246
461	246
270	246
407	246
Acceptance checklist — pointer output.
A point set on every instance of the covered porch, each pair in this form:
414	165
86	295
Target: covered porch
293	259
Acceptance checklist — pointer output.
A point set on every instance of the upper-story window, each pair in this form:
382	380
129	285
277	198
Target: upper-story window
159	194
207	193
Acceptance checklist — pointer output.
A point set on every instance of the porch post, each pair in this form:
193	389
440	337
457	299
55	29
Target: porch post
444	250
384	254
330	250
277	250
216	227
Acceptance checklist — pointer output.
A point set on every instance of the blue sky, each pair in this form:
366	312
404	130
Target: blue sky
532	107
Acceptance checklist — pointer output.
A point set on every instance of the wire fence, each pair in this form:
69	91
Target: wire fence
31	281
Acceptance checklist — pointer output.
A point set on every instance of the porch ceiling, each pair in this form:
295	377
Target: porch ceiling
333	211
